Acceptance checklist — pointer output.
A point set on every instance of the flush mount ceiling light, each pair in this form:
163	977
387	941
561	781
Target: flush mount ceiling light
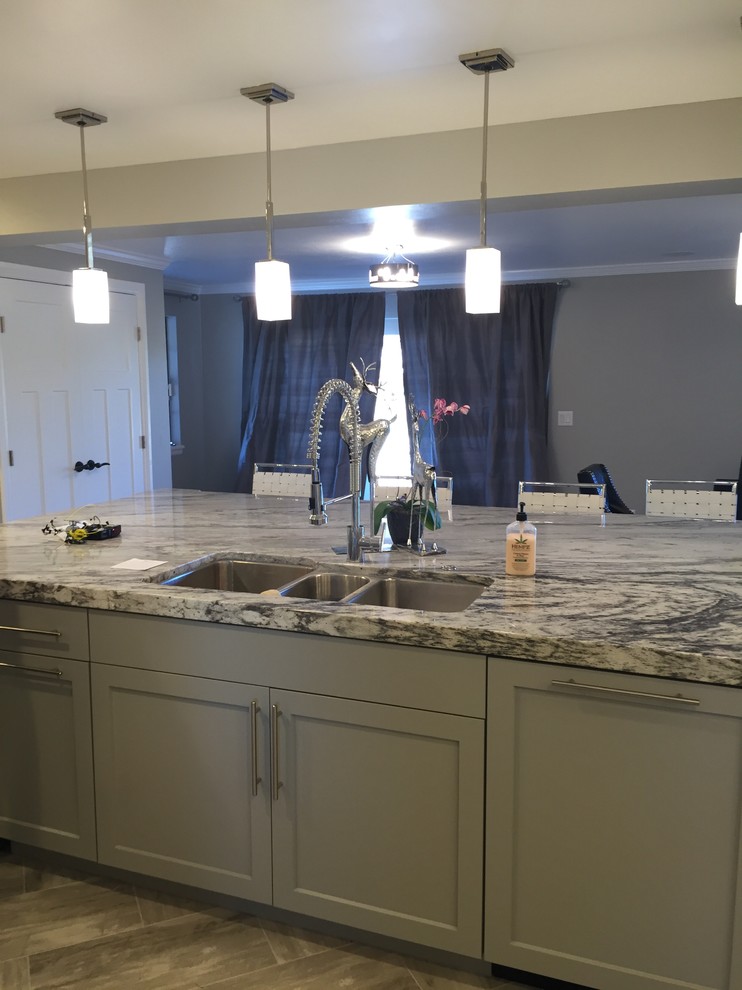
394	272
90	299
483	264
272	278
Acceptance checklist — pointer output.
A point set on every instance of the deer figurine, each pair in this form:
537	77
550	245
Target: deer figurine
373	433
423	474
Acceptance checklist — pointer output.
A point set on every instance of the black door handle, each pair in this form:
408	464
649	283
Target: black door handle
89	465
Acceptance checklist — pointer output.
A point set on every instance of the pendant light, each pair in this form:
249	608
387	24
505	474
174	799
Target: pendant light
483	267
272	278
394	272
90	300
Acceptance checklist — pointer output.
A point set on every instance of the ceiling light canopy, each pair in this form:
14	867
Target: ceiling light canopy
394	272
90	299
483	264
272	277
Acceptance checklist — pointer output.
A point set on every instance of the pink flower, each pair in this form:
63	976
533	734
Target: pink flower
442	408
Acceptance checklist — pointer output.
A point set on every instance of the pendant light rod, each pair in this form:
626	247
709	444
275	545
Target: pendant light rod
483	186
268	94
482	63
269	199
82	119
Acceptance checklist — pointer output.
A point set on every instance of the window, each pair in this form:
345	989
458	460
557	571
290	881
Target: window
394	458
173	390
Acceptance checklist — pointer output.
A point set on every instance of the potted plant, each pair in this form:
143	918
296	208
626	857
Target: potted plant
406	519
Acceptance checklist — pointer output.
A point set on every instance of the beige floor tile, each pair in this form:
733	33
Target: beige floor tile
14	974
333	969
429	976
290	943
40	877
156	906
60	916
185	953
11	877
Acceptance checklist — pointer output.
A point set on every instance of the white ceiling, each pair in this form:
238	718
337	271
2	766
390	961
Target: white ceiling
167	73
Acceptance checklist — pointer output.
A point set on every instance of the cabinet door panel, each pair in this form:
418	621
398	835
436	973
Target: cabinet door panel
613	854
46	754
378	821
174	779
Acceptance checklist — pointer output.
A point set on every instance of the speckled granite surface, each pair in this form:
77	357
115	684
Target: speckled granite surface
648	596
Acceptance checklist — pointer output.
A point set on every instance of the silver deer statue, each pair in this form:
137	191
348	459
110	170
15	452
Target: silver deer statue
373	433
423	474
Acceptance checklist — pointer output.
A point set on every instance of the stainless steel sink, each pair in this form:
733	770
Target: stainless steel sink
293	580
427	596
252	576
325	586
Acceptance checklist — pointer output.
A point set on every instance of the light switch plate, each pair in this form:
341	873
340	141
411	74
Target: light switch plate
564	417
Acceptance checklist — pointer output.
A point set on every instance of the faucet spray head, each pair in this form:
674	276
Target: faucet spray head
318	515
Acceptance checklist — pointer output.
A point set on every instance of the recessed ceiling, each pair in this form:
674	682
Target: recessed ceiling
167	73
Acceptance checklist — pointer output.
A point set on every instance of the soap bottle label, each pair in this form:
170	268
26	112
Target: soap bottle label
520	554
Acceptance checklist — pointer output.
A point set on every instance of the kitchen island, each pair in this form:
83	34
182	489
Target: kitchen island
574	740
652	596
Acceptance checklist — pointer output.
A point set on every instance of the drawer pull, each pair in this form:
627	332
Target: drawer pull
34	632
676	699
254	709
33	670
275	782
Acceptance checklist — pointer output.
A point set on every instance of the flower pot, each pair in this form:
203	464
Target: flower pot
399	525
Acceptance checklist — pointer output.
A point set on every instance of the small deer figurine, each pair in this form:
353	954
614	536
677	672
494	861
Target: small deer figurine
423	474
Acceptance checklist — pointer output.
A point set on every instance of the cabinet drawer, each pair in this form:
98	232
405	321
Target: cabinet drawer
46	630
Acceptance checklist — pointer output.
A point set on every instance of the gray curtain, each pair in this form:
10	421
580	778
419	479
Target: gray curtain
499	365
284	366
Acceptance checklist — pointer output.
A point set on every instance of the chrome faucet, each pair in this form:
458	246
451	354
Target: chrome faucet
317	504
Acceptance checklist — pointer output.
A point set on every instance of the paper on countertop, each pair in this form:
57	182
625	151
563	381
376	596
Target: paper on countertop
137	564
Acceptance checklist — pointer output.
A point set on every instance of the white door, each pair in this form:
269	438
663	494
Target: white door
72	396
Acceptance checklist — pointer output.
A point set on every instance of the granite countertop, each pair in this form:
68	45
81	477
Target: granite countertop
649	596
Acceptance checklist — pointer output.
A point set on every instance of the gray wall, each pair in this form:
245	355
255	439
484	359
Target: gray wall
156	355
651	367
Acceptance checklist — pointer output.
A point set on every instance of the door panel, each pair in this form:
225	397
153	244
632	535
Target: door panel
71	393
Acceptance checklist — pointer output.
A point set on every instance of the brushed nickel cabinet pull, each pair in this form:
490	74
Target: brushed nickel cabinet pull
676	699
254	709
33	670
34	632
275	782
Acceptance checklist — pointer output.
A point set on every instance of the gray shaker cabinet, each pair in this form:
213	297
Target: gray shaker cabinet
613	839
377	818
46	755
181	766
368	813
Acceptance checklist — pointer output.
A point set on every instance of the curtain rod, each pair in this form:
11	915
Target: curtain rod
192	297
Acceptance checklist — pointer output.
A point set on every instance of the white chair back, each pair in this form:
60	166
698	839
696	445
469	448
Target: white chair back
691	500
282	479
388	488
557	497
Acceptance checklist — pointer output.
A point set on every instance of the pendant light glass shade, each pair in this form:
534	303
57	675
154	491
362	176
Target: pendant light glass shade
273	290
738	294
90	299
482	280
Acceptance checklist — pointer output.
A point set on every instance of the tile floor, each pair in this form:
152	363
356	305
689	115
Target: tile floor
64	930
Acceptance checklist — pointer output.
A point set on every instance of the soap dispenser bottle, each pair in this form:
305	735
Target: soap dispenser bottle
520	546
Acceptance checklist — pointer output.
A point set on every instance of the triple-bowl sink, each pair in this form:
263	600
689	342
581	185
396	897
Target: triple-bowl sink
446	593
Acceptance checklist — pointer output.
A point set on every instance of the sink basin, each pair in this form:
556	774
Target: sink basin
326	587
428	596
253	576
